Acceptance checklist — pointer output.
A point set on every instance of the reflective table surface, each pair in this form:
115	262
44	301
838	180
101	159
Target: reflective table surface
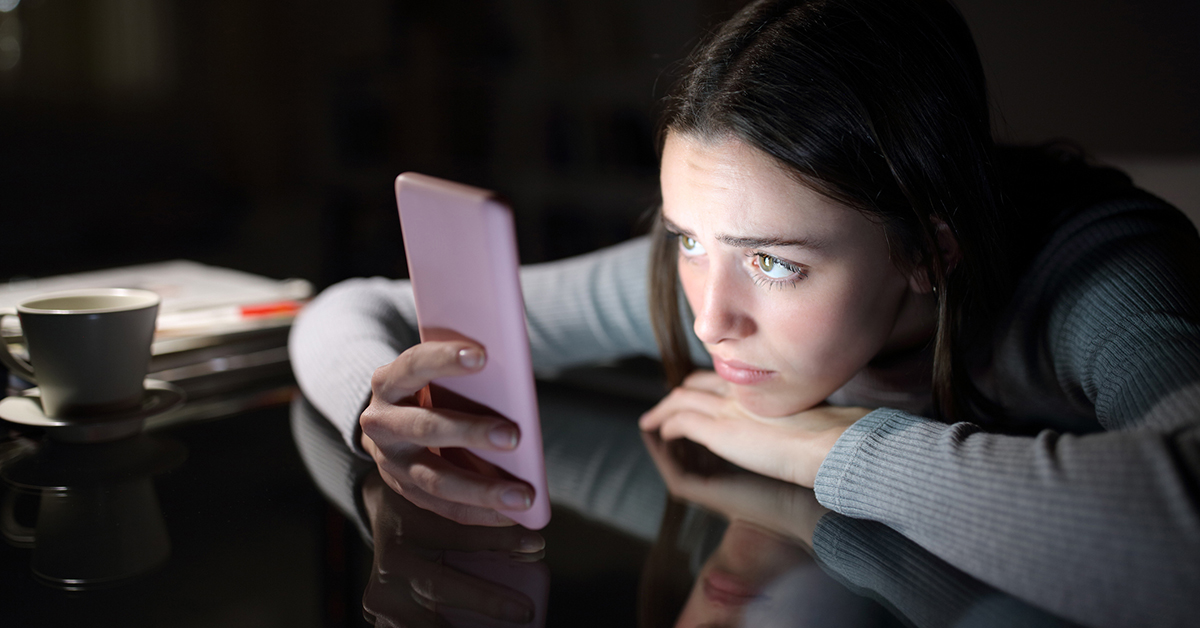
260	516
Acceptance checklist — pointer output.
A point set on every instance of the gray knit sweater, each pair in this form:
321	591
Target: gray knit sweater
1094	517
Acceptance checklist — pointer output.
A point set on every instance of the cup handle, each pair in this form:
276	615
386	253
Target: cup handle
12	530
15	365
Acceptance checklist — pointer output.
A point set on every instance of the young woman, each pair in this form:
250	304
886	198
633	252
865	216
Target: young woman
993	350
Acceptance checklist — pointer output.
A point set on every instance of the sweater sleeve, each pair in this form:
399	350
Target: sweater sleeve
876	561
583	310
1102	527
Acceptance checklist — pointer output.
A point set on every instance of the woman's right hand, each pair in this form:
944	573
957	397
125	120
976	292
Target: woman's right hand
398	433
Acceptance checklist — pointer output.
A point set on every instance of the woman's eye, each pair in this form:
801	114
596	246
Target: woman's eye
690	246
774	268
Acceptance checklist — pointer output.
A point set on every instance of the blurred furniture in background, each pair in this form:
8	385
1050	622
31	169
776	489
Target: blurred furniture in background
265	136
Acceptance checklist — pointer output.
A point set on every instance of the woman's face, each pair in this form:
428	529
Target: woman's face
793	293
739	570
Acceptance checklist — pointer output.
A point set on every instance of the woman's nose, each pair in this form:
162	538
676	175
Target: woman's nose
724	308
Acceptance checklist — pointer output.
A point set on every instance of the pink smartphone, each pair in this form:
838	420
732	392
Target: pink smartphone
461	248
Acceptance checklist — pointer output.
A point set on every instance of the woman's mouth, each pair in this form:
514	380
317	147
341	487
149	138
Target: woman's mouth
741	373
726	590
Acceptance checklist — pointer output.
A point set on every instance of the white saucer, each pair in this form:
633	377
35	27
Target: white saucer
26	409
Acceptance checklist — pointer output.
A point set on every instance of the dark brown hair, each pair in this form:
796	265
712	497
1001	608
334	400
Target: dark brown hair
880	106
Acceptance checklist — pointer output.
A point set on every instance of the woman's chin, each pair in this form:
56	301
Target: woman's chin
771	405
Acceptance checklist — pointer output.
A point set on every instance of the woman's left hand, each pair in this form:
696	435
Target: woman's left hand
789	448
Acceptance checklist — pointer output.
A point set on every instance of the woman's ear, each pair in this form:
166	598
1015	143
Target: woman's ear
921	280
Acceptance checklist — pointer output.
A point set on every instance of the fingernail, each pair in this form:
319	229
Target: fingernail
471	358
516	499
531	543
516	612
503	436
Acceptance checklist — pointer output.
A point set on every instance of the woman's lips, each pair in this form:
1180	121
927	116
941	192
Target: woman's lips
739	372
727	590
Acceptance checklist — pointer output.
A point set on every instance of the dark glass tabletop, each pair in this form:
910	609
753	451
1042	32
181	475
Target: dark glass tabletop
255	513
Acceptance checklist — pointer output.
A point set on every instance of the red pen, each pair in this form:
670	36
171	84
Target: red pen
227	315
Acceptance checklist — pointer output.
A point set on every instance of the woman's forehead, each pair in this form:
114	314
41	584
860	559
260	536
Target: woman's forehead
724	186
717	165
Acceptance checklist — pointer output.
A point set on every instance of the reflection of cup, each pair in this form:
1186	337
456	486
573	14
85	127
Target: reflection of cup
89	350
94	535
89	512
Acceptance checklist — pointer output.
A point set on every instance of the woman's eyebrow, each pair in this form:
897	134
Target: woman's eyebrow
752	242
765	243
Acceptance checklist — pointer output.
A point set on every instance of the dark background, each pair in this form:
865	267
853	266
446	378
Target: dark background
265	135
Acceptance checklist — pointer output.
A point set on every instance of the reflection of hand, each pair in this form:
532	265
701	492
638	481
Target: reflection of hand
398	433
781	507
408	578
790	448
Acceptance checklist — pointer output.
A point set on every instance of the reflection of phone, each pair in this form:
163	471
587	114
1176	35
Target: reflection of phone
462	258
532	578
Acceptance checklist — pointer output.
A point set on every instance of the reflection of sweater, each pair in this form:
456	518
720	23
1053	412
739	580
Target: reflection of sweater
1095	517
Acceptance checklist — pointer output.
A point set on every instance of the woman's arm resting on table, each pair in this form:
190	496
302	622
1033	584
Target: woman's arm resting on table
1100	527
581	310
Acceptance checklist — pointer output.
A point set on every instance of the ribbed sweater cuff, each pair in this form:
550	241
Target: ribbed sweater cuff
843	479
